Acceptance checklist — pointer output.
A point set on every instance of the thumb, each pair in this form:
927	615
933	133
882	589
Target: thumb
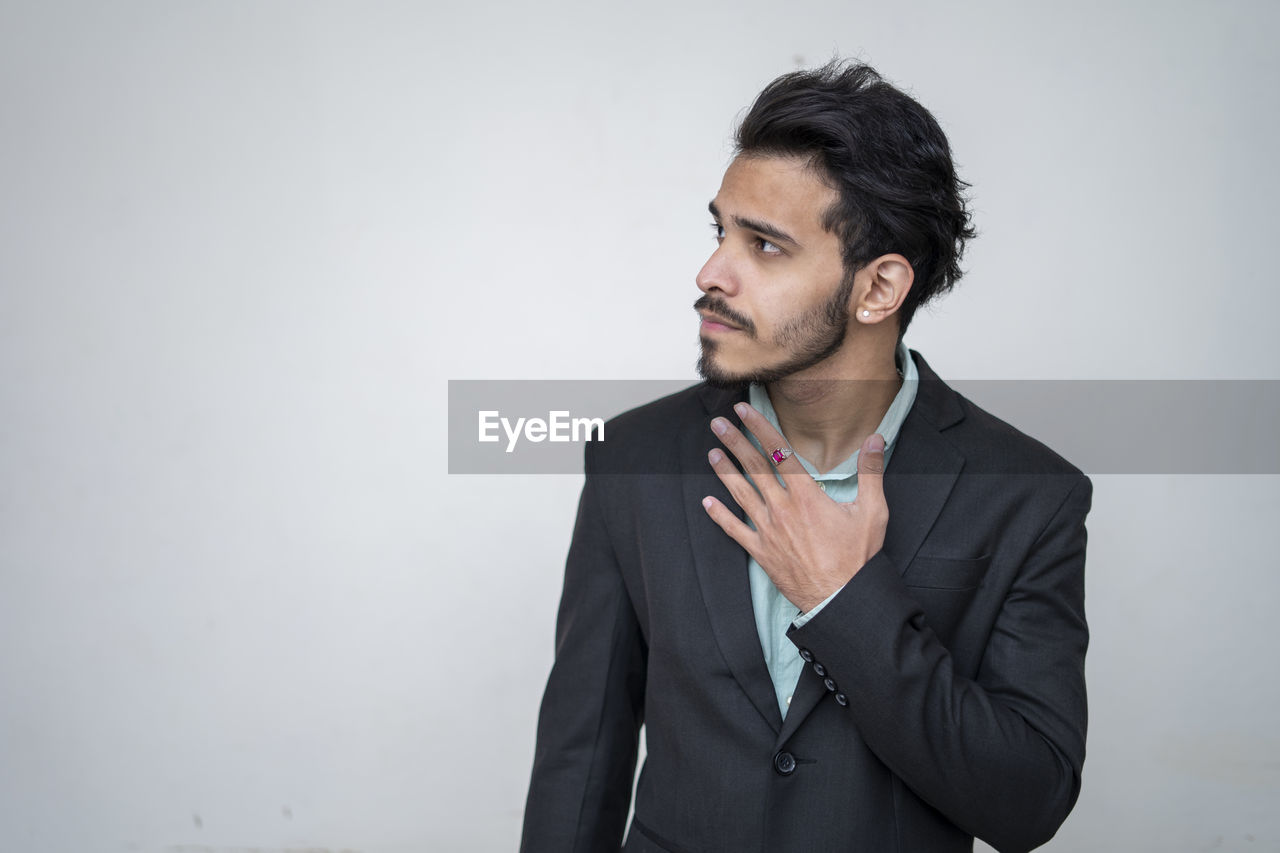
871	468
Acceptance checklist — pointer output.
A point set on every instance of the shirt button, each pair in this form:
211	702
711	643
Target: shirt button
788	701
822	485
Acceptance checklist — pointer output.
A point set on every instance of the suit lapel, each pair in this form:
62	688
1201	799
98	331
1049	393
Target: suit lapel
721	565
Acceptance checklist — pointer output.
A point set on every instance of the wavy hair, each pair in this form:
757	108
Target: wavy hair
887	158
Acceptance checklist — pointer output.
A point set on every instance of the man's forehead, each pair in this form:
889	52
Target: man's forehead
785	191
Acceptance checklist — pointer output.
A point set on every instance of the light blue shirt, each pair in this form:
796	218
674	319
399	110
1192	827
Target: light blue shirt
774	613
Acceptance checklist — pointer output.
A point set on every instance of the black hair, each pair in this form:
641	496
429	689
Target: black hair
887	158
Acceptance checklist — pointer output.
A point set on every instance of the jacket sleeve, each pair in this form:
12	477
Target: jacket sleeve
999	755
592	710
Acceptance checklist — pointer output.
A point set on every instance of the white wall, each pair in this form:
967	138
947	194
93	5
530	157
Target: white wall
243	247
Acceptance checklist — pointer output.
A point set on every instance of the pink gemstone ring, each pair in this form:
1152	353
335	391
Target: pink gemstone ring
781	455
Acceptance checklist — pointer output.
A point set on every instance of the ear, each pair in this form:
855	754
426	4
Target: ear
885	284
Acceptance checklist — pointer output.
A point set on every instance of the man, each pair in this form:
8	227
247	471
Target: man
846	604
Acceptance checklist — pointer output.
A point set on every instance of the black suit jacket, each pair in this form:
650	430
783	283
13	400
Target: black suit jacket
945	693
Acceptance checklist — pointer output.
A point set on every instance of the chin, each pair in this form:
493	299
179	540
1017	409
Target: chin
714	372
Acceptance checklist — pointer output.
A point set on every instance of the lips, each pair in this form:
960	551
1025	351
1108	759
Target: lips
714	322
714	312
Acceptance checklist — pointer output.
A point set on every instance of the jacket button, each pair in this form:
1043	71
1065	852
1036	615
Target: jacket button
829	684
842	700
820	669
784	763
806	655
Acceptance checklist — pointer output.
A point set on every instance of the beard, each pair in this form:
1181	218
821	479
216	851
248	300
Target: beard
808	338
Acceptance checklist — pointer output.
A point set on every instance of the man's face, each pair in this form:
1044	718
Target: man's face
775	295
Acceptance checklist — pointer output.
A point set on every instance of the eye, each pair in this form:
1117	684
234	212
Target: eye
719	231
767	247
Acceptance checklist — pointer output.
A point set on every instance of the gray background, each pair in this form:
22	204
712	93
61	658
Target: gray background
245	245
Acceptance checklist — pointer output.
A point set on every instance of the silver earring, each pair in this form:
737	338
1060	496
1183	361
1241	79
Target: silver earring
866	313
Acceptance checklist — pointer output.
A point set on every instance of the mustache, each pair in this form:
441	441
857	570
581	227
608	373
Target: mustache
719	307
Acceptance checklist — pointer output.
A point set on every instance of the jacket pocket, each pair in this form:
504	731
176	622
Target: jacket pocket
945	589
927	572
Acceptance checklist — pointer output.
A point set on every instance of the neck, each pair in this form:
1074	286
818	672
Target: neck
828	410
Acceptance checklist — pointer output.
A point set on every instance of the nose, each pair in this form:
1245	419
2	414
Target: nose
717	274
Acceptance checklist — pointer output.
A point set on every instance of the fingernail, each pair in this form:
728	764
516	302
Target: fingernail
706	502
715	456
877	443
741	409
719	425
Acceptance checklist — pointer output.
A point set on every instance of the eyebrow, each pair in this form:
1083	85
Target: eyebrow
771	231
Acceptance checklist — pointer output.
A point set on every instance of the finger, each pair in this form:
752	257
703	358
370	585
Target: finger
737	529
772	441
752	460
871	469
737	484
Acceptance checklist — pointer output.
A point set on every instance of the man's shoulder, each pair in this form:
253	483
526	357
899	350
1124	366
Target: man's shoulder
988	443
994	444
